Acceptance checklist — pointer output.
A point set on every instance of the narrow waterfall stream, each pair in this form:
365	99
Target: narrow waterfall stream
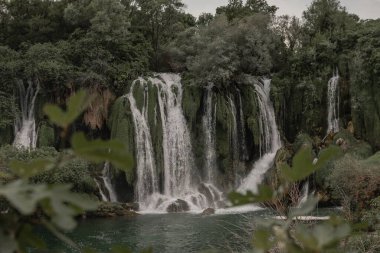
107	192
147	180
270	138
25	125
106	177
333	103
209	129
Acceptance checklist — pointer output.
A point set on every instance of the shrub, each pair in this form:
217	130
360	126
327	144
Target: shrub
357	181
75	172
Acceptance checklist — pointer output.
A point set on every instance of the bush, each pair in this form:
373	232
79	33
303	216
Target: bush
357	181
75	173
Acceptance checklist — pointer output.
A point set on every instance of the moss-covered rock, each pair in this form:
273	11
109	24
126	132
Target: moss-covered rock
121	126
46	136
109	210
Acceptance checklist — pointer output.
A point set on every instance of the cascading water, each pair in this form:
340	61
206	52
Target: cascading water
147	181
106	177
333	104
209	129
178	157
25	125
181	181
270	138
305	194
243	145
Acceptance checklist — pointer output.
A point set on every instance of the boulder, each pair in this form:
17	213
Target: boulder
208	211
178	206
108	209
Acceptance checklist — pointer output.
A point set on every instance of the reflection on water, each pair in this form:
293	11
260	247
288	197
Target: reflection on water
165	233
169	233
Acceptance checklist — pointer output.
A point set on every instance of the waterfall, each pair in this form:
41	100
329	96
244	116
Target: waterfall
102	193
176	145
147	181
25	124
209	129
243	145
106	177
234	137
270	138
181	180
305	194
333	104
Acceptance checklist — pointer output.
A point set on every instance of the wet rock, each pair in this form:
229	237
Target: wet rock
131	206
339	142
178	206
108	210
208	211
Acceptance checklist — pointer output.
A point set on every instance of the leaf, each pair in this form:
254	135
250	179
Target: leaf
265	193
76	104
120	249
302	166
305	237
329	235
262	240
7	243
24	197
57	201
28	238
100	151
326	155
64	205
30	169
305	208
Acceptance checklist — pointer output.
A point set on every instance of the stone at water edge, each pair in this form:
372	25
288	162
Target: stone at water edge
208	211
178	206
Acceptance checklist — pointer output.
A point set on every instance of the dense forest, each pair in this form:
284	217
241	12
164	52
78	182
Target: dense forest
122	53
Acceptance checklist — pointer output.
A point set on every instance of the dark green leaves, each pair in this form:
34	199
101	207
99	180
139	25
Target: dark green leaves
76	104
305	208
30	169
303	166
57	201
100	151
265	193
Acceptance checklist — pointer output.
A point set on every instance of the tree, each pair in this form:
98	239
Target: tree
160	21
204	19
236	8
222	52
35	21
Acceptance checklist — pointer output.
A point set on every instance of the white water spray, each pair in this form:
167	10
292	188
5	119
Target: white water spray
333	104
25	124
270	138
147	180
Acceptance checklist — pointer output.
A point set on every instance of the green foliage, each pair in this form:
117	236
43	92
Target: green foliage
76	173
98	151
355	181
236	8
303	165
75	106
223	52
284	235
54	205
